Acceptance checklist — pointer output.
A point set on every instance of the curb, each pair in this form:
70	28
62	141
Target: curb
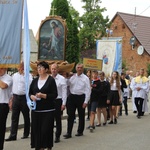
20	126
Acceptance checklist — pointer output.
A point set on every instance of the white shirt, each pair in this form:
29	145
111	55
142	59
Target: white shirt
144	88
19	83
41	83
61	88
114	87
80	85
5	94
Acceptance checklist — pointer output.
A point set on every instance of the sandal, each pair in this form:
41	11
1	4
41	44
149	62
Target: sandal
98	125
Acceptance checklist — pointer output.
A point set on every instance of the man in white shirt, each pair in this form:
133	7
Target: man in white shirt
140	86
5	93
60	102
19	104
80	91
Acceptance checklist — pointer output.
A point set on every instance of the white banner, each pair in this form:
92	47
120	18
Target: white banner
111	54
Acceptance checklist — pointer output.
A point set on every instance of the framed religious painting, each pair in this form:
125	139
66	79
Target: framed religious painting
52	39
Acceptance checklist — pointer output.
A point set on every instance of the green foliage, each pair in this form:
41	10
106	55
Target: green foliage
74	13
93	24
124	65
148	69
62	8
73	43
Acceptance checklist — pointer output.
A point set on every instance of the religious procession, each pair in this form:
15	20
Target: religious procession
90	80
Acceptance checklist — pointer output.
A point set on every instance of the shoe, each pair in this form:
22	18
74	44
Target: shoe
98	125
111	122
104	124
91	129
139	117
79	134
108	118
67	136
134	112
57	140
11	138
115	121
24	137
126	114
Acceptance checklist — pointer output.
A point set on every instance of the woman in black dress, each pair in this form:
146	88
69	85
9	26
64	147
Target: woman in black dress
103	97
43	91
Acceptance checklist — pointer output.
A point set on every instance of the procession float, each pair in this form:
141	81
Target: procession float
51	39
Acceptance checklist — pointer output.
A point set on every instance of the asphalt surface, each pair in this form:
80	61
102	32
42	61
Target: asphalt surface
129	134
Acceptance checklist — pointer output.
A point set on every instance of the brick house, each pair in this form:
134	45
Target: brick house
135	32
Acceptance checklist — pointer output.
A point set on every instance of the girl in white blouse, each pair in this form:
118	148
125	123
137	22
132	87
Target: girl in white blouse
115	96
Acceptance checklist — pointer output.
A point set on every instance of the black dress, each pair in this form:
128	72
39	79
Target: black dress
42	118
104	94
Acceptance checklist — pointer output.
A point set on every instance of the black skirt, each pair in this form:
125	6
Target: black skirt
102	102
114	98
42	125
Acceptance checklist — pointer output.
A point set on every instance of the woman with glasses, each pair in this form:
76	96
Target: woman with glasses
43	91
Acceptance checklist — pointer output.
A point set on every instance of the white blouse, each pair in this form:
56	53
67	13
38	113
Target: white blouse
114	87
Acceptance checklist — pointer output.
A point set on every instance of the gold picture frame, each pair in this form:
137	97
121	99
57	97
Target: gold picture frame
52	39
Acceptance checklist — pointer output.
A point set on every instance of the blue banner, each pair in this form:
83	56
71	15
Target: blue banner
26	56
10	32
118	57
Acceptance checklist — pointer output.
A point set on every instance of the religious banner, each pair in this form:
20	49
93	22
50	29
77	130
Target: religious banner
10	32
93	64
110	51
52	39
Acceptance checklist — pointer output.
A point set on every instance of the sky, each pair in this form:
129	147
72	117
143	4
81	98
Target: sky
38	10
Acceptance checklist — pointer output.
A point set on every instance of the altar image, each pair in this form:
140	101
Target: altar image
52	39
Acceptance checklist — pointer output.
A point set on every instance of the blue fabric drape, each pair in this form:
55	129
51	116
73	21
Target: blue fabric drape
10	31
26	55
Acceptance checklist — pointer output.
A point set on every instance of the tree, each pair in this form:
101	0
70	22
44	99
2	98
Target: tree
148	69
93	24
62	8
74	14
72	43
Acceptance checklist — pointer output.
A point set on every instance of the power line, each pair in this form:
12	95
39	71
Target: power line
144	10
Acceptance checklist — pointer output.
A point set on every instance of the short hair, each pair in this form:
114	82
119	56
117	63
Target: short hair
79	64
122	74
95	71
102	73
55	64
89	70
21	64
43	64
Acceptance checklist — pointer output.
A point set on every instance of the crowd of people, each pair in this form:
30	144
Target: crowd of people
55	92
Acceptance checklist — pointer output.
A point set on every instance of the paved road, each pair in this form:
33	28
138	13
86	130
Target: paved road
129	134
